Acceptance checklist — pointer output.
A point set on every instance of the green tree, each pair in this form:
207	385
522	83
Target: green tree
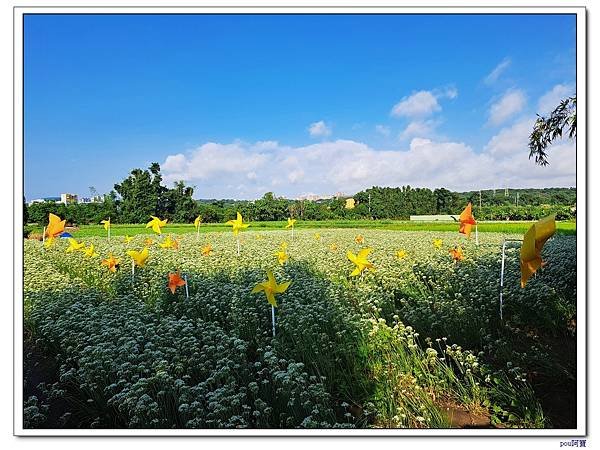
141	195
179	204
25	212
547	129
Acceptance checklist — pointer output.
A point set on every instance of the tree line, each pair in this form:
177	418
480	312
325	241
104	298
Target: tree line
142	194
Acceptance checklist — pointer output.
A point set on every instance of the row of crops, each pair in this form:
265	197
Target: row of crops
416	342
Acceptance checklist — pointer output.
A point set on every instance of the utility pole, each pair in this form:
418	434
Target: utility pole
479	198
517	199
369	204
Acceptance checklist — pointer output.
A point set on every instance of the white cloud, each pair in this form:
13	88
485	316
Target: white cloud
383	130
247	171
552	98
419	104
418	128
510	153
493	76
422	104
319	129
511	103
451	93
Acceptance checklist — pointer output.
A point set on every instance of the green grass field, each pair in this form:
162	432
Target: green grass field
567	228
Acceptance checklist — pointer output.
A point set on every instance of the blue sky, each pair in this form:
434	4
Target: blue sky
238	105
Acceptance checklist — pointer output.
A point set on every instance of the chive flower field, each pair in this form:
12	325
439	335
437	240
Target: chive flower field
344	328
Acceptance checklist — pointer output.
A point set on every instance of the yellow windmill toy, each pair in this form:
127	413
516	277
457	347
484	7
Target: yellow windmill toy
531	251
237	225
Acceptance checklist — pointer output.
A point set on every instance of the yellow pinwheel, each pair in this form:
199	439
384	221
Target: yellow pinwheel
197	221
290	224
359	239
127	239
317	236
55	226
360	261
106	224
139	258
169	243
270	288
401	254
437	243
237	224
156	224
206	250
533	242
89	251
49	242
282	256
74	245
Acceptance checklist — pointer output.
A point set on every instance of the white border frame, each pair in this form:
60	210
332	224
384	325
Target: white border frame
581	141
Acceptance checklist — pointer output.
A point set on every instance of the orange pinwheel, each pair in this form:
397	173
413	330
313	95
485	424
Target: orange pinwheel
175	281
531	250
111	262
457	253
466	220
55	226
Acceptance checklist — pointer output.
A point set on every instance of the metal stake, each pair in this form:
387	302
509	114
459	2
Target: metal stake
273	318
504	242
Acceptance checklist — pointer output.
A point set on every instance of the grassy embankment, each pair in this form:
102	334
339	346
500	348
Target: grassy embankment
567	227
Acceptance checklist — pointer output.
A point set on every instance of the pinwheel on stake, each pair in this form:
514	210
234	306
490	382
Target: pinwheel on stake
74	245
467	221
282	256
106	224
169	243
270	288
206	250
89	251
156	224
457	253
237	225
111	262
197	222
176	281
54	228
290	224
137	259
360	261
531	251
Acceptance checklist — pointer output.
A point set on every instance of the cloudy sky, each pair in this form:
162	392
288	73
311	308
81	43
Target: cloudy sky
241	105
